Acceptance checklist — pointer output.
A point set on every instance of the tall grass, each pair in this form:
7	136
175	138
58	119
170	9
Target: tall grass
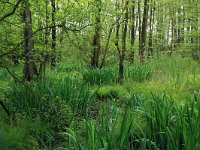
73	93
65	99
109	75
102	138
165	125
173	126
99	76
175	68
138	73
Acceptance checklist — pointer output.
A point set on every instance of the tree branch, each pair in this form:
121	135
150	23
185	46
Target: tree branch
48	27
12	12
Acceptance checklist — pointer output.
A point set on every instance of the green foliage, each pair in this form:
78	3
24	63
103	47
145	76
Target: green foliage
167	126
116	91
76	107
69	66
171	125
174	75
194	83
55	103
99	76
57	114
174	68
138	73
3	74
98	137
124	116
71	92
20	136
179	94
109	75
76	75
2	141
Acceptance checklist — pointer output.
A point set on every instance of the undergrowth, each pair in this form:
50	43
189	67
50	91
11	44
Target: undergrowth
76	107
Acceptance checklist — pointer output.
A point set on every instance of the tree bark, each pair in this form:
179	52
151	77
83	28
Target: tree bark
139	26
53	34
132	55
96	39
45	55
106	47
124	35
150	44
29	67
144	31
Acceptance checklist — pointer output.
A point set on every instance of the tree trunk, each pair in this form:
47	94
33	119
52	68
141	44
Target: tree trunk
124	35
96	39
29	67
117	28
133	28
53	34
139	27
106	48
45	55
144	31
150	44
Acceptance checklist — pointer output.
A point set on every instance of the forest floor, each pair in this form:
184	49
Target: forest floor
75	107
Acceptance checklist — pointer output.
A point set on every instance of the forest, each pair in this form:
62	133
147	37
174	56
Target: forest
99	75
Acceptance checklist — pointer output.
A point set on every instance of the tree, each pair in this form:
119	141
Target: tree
29	67
45	54
121	53
162	26
96	39
151	24
53	34
144	31
133	32
103	62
